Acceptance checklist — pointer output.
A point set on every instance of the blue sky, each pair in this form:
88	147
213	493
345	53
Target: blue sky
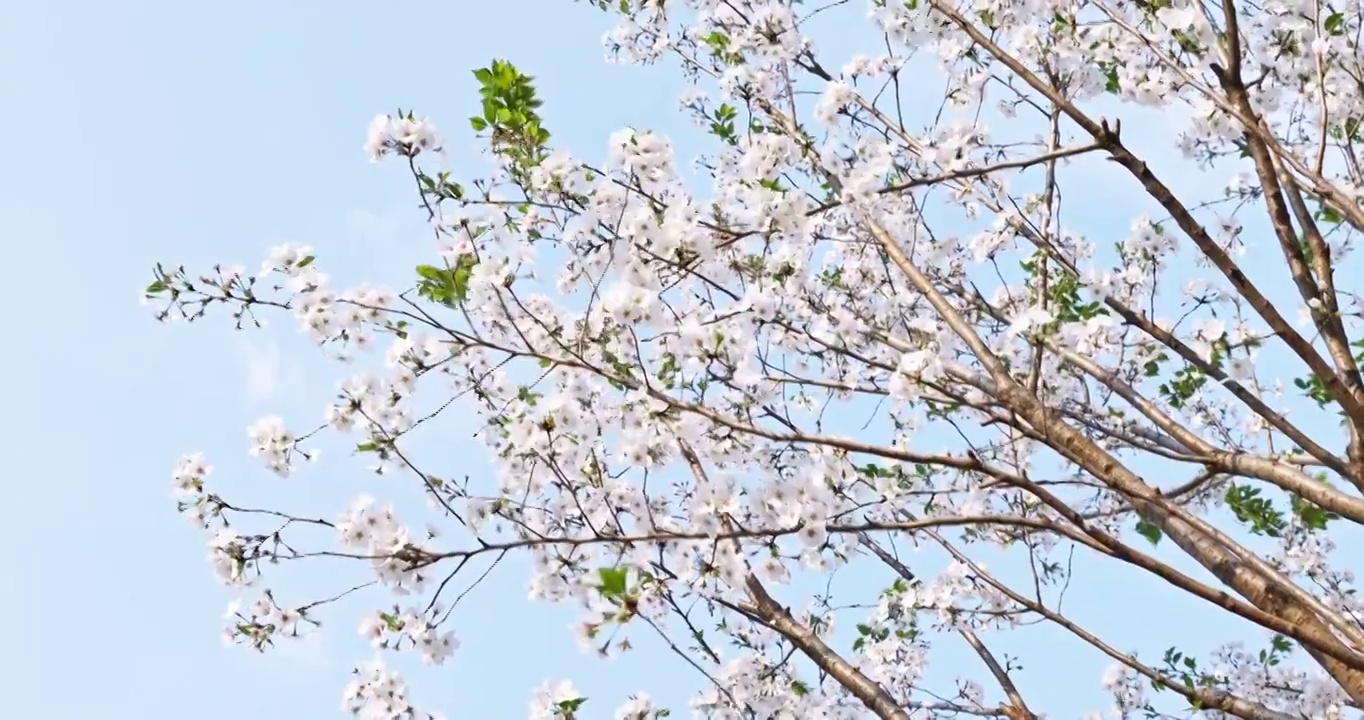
195	133
159	131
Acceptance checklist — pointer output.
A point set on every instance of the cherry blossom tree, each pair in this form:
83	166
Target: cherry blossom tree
864	324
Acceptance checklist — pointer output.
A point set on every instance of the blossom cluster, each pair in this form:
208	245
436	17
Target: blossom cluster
385	629
865	341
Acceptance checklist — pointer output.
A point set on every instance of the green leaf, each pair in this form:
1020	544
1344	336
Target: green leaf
1329	215
478	123
1149	531
1311	515
567	707
157	286
612	582
459	278
1259	513
1335	23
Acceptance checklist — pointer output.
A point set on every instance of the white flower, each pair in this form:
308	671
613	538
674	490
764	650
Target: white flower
550	697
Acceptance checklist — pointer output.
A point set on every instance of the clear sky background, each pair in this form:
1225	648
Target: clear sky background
197	133
194	133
